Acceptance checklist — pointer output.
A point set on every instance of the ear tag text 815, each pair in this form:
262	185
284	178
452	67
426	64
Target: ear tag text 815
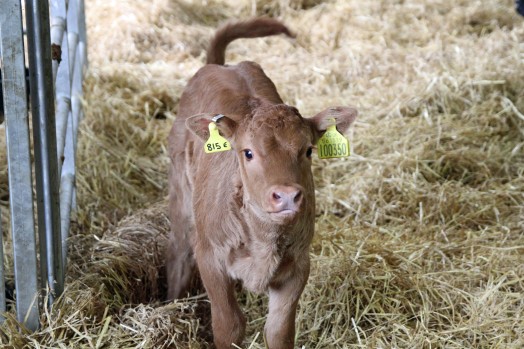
333	144
215	143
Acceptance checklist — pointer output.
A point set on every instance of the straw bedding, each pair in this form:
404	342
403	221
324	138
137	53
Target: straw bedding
420	234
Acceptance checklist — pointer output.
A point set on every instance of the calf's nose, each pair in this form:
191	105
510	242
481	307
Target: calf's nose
285	198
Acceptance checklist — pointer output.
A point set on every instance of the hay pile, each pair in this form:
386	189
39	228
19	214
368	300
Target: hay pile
420	234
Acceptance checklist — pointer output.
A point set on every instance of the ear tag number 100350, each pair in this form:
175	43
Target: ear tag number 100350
333	144
215	142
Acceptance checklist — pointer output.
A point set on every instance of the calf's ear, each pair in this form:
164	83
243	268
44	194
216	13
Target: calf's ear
199	125
344	117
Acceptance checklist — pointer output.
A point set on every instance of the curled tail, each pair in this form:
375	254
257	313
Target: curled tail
253	28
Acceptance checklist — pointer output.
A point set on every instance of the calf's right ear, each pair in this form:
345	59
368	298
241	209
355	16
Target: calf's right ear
199	125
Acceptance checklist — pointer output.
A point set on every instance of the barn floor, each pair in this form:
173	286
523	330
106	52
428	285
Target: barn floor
420	233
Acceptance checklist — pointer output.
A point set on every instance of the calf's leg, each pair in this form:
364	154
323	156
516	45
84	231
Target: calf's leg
283	300
180	267
228	322
180	262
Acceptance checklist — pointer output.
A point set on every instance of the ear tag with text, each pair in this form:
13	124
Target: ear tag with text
333	144
215	142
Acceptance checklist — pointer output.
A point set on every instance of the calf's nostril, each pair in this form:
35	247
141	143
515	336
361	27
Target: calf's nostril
298	197
276	196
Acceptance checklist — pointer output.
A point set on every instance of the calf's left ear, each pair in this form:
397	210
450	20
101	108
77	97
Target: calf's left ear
344	117
199	125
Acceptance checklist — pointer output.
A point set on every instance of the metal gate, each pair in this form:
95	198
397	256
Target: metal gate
56	50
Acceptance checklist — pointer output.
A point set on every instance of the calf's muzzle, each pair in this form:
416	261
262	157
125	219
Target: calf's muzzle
286	199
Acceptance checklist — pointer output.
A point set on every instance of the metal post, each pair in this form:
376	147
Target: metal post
77	61
19	163
64	116
46	166
2	276
61	75
82	33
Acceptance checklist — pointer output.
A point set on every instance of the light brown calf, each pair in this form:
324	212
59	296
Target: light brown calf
246	214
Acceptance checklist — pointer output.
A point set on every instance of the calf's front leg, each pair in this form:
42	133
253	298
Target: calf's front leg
227	320
283	301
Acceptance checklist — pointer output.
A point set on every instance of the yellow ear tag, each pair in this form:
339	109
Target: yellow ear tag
333	144
215	142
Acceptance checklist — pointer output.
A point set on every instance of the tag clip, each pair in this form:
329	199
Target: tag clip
217	117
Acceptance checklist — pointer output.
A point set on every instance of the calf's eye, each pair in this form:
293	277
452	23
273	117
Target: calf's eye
309	151
248	154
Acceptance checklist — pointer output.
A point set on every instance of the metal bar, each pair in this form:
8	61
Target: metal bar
76	107
60	53
68	170
72	32
46	167
63	114
19	163
82	33
58	27
66	203
78	57
76	26
67	184
76	92
63	101
63	121
2	276
78	84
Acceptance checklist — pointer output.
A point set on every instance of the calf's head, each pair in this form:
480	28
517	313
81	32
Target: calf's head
274	146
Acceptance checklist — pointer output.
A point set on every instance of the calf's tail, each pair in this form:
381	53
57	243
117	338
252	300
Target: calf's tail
253	28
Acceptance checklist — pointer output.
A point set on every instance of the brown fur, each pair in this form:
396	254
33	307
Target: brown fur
238	219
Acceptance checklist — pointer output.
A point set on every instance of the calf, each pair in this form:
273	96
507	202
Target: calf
246	214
